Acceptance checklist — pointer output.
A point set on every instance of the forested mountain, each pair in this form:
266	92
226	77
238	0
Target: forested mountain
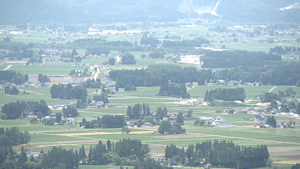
74	11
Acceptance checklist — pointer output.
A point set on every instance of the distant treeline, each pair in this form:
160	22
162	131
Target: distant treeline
233	59
106	121
13	77
225	94
197	42
281	73
284	50
158	75
219	154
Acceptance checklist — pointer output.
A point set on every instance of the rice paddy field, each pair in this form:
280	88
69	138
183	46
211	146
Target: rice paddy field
283	144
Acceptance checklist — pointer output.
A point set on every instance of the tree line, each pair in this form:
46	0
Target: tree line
43	78
18	109
233	59
61	91
106	121
158	75
225	94
219	154
124	152
166	127
13	77
92	83
138	111
11	91
174	90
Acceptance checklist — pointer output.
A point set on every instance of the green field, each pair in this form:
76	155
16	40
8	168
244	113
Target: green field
242	132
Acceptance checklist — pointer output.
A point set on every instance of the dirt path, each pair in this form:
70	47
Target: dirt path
7	67
272	89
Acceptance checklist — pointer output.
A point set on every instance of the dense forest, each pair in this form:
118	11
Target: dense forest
158	75
234	59
219	154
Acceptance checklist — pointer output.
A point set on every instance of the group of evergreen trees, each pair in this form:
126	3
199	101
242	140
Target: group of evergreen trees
61	158
160	74
155	55
225	94
103	97
138	111
219	154
167	128
68	92
11	91
13	137
128	58
233	59
106	121
125	152
18	109
271	121
174	91
43	78
283	50
70	111
269	96
13	77
92	83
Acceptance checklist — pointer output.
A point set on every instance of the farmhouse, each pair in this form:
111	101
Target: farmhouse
220	123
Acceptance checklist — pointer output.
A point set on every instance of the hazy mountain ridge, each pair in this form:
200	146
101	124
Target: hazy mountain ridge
22	11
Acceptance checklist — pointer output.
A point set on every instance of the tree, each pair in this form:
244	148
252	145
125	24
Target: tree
108	143
58	117
180	118
273	104
23	157
271	121
126	130
149	119
111	61
116	159
74	52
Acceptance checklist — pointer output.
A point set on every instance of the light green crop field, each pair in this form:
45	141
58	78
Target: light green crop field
242	132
